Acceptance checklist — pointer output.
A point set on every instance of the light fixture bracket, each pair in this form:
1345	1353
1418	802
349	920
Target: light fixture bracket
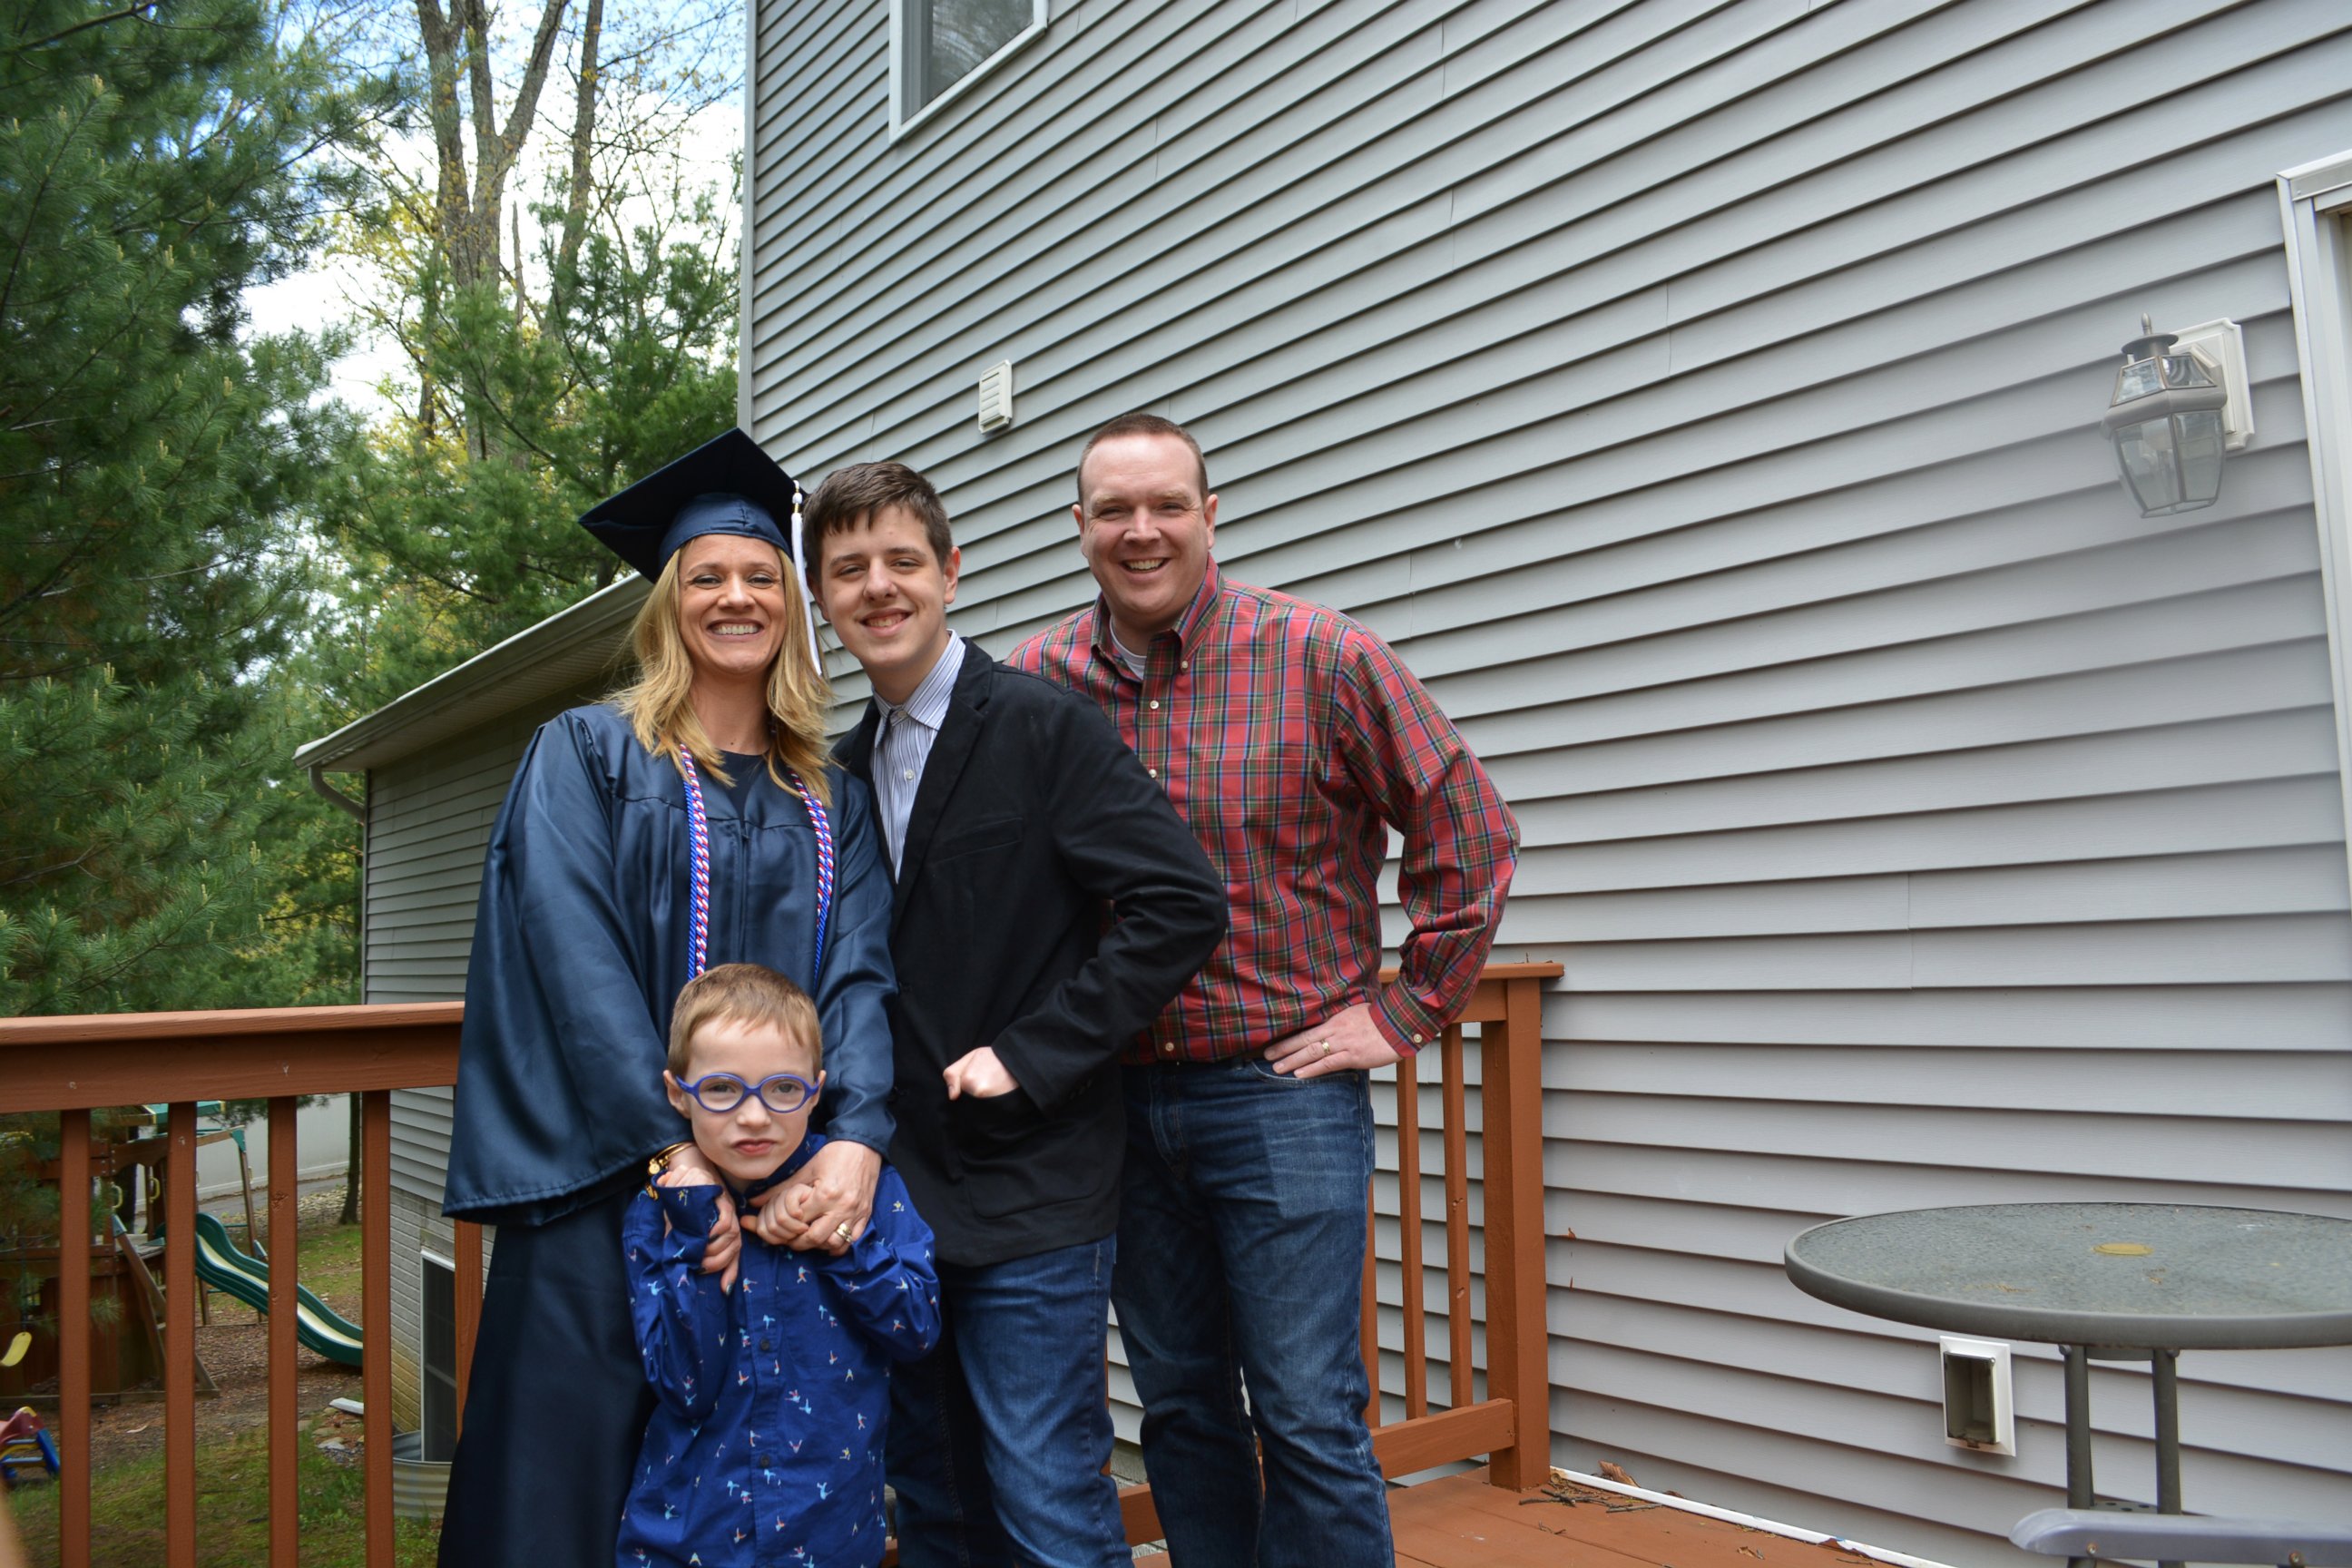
2220	348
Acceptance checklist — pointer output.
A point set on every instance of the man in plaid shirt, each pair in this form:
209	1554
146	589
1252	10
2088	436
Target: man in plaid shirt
1291	739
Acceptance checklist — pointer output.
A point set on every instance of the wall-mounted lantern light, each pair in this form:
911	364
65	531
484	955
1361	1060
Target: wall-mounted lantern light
2172	420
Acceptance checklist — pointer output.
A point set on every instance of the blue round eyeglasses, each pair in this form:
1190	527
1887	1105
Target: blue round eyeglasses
722	1092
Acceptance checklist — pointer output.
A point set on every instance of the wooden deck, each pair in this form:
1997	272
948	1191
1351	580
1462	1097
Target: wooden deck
1463	1522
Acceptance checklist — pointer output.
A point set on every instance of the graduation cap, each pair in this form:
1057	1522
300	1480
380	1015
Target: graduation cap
726	486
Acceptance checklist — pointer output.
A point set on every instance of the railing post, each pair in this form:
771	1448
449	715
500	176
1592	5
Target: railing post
1416	1325
468	1247
1511	1101
73	1339
1461	1382
285	1263
375	1332
1367	1333
179	1339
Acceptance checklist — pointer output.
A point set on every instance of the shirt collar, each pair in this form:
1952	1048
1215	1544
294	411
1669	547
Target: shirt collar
1190	627
928	704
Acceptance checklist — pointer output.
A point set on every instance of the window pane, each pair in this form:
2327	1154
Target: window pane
950	37
440	1390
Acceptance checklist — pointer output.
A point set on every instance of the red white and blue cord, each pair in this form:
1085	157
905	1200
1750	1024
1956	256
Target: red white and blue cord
698	946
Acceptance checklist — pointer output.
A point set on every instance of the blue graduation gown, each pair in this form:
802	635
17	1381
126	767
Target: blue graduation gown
579	949
765	1449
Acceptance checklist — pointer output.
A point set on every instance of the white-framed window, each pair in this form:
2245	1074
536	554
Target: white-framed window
940	48
438	1390
2316	202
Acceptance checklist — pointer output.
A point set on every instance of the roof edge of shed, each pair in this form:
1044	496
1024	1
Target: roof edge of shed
557	655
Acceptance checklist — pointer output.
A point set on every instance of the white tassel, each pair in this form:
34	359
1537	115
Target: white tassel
808	599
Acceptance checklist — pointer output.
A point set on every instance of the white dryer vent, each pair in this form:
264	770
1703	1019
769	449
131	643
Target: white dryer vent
996	396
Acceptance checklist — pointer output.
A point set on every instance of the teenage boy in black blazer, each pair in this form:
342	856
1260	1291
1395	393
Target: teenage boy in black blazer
1049	902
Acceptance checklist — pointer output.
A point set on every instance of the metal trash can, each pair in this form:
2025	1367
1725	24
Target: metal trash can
419	1485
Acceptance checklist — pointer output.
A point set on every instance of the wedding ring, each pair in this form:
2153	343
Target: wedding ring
842	1230
1324	1047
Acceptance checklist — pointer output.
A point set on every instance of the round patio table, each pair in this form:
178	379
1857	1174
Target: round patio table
2103	1282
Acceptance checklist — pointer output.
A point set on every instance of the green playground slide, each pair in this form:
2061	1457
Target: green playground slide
222	1265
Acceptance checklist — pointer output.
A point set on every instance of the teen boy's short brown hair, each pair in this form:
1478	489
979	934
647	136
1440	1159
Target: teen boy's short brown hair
854	495
743	993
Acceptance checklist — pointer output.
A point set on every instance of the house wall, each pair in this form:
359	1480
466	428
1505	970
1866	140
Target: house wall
428	827
1703	397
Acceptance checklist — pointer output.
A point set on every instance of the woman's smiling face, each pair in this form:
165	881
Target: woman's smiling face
730	605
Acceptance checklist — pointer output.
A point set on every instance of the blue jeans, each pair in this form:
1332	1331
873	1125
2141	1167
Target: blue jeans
998	1438
1241	1256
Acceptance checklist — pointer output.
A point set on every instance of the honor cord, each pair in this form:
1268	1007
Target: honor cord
697	946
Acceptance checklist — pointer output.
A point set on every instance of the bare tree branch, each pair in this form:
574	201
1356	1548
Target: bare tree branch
583	131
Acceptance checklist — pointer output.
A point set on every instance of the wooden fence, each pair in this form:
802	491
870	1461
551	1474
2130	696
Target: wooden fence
77	1065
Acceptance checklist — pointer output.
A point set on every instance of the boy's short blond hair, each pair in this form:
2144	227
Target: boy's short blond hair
743	993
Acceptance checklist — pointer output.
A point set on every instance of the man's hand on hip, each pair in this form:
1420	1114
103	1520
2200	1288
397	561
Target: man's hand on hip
1347	1041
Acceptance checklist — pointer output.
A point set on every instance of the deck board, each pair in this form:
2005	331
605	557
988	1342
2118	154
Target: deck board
1463	1522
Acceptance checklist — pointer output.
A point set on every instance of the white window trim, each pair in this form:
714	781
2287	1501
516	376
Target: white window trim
749	232
2316	205
906	126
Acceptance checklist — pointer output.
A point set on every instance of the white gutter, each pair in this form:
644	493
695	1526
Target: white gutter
1747	1521
318	783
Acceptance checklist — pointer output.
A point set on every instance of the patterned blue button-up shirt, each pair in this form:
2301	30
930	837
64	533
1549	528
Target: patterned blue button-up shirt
765	1448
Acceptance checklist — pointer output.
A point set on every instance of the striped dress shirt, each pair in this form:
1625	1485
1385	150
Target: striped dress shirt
903	746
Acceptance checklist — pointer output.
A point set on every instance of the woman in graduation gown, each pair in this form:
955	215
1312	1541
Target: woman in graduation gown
692	820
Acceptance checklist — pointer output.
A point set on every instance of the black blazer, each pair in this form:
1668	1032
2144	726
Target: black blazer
1049	902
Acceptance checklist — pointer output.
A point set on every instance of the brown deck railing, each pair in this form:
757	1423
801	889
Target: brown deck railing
1511	1427
77	1065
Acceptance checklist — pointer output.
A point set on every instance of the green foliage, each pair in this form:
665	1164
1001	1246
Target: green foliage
154	473
203	562
624	364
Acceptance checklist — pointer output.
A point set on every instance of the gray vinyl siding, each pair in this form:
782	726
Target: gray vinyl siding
1702	398
429	818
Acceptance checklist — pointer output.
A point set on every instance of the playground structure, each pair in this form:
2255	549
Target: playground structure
24	1444
222	1265
128	1342
213	1126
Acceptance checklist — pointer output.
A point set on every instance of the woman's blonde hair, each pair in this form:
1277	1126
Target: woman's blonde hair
657	706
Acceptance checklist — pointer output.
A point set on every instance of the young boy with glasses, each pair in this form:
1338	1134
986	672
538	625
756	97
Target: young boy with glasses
770	1382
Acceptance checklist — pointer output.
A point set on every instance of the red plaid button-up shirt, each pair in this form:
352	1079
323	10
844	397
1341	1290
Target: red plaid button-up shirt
1291	739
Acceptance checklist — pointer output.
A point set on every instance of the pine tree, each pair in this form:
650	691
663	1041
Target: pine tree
155	162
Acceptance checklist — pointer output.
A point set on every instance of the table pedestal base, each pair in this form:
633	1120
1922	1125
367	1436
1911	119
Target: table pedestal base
2165	1376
